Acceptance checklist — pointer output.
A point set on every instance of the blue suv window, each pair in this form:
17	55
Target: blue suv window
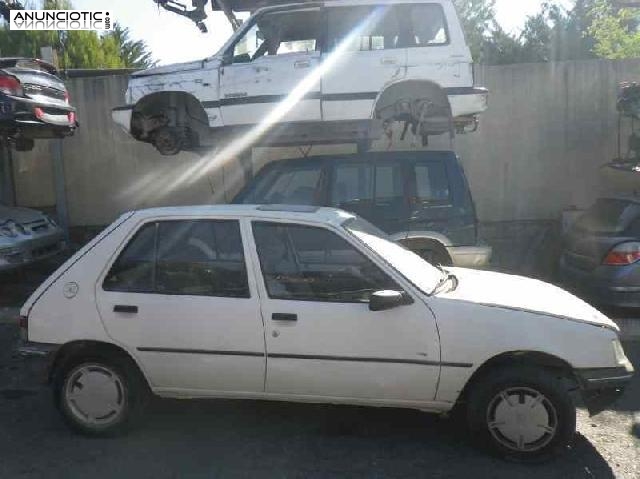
294	186
432	182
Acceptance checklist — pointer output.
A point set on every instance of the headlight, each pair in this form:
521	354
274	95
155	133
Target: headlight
618	351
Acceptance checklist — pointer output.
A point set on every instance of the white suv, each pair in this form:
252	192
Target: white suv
323	69
313	305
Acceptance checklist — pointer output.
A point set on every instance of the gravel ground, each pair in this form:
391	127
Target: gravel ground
259	439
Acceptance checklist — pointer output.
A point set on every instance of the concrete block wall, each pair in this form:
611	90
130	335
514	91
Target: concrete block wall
539	149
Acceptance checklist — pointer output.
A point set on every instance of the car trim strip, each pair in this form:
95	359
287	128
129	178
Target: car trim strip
200	351
307	357
372	95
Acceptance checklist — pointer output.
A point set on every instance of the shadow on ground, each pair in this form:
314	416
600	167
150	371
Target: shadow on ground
259	439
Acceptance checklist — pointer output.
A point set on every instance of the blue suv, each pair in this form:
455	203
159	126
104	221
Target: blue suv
420	199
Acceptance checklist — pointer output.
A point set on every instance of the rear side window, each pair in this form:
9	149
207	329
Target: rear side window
389	183
385	27
428	25
134	269
432	182
352	185
609	216
194	258
295	186
379	25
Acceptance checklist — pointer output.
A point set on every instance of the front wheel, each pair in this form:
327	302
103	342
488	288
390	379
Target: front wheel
522	413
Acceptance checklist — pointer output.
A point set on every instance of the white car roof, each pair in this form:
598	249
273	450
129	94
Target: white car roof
313	214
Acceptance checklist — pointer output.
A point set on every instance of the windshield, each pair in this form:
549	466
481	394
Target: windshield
419	272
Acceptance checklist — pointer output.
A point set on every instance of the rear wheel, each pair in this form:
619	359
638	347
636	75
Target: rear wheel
100	395
522	413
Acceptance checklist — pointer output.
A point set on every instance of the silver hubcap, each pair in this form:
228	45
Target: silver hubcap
95	395
522	419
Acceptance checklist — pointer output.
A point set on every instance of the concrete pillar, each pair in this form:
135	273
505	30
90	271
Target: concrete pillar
7	183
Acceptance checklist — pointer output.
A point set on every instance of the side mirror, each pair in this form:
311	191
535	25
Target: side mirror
386	300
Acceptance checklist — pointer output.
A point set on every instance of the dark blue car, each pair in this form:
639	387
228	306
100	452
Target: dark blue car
421	199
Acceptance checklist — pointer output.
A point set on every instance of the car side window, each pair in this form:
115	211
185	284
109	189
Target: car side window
295	186
380	27
134	269
428	25
432	182
352	185
314	264
389	186
280	33
194	258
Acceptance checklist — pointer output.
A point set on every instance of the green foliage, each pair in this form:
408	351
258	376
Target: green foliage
77	49
478	19
615	31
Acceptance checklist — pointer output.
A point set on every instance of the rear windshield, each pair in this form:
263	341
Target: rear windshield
609	216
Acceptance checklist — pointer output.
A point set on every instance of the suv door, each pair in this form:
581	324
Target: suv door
369	39
322	339
178	297
274	56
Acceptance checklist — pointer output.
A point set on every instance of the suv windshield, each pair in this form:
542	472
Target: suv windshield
420	273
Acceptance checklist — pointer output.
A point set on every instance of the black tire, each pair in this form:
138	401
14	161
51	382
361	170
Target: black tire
132	393
523	383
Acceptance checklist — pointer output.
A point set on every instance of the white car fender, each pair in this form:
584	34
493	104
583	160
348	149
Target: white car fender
474	334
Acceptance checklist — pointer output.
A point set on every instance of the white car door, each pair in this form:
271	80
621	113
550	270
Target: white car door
436	47
277	54
178	296
368	42
322	339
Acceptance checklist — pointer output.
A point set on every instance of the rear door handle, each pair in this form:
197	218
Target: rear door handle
284	317
389	61
302	64
121	308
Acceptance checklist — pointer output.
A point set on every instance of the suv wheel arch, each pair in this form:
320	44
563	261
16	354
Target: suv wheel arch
430	249
177	112
422	104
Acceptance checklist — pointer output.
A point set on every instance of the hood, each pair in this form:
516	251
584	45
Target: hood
168	69
19	215
523	294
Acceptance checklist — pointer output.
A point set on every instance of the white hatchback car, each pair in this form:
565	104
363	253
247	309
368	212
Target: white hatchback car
313	305
322	71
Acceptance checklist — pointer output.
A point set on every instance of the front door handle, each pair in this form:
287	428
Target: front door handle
284	317
389	61
121	308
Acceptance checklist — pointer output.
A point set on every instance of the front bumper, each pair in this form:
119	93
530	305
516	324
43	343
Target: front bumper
470	256
32	250
602	387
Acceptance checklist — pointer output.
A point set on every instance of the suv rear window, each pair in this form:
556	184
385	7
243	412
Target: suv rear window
609	216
